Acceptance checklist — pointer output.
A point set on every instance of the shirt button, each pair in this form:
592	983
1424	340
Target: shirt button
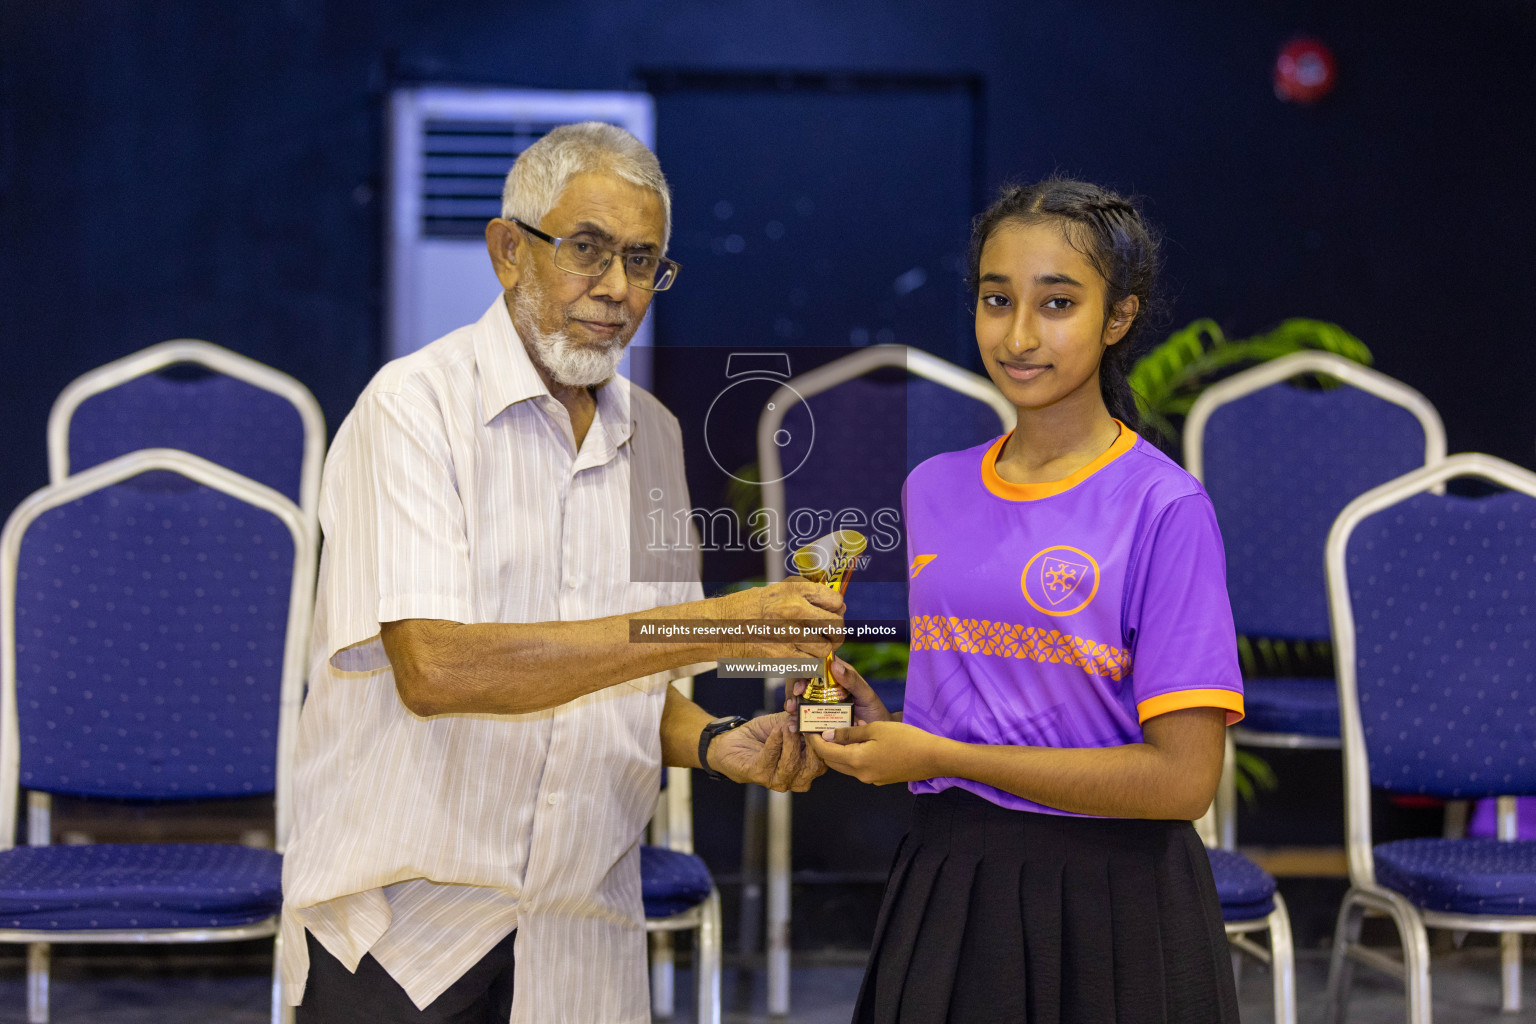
570	584
553	799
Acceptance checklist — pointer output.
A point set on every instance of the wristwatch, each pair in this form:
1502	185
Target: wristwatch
712	730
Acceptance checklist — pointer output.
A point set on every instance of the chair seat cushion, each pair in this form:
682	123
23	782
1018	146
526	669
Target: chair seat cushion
1246	891
1308	707
138	885
672	882
1461	876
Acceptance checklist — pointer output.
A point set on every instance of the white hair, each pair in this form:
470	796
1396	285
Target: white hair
542	171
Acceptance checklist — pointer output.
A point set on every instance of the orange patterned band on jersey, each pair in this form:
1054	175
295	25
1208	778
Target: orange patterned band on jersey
1010	640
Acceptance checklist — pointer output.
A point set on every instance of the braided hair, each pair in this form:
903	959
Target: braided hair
1110	233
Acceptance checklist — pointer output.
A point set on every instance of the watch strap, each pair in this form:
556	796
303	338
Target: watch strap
709	732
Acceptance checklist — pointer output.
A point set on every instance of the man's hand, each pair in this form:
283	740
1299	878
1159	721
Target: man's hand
882	752
792	600
767	751
867	707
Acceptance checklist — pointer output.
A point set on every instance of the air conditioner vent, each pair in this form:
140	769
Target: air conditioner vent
463	166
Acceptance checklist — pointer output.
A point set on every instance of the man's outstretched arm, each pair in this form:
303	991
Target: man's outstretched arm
444	667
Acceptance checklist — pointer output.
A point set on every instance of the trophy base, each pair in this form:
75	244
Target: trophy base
816	717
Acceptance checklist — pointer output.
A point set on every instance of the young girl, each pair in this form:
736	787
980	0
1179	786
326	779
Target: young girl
1073	668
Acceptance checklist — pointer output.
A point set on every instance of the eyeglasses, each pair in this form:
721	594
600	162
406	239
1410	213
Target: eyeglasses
588	259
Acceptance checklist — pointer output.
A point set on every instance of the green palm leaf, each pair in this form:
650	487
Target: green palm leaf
1168	379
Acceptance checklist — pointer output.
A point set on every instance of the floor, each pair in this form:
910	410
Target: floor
1465	987
92	987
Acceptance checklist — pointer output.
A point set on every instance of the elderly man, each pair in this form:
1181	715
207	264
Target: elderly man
481	743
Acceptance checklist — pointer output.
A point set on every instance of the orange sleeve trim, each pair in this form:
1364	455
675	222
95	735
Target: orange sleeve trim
1229	700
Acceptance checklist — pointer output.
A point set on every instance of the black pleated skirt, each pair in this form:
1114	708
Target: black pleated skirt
1007	917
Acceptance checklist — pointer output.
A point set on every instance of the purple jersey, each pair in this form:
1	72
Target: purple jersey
1063	614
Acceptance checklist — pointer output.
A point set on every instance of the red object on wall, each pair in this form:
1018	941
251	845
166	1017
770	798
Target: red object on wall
1305	71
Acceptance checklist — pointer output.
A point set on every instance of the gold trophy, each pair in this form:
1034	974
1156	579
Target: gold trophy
828	561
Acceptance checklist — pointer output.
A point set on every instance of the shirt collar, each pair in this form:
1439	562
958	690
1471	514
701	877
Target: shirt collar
507	376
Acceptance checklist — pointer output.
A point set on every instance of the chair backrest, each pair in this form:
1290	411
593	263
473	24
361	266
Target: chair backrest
1433	598
154	615
1280	462
230	410
841	420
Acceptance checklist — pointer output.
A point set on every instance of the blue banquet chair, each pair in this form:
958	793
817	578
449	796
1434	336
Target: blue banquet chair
680	895
1280	462
154	616
841	439
200	398
1432	596
1251	903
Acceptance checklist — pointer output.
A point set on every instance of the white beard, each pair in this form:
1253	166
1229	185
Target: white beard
566	361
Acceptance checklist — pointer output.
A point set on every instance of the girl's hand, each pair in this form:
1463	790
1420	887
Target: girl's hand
881	752
867	707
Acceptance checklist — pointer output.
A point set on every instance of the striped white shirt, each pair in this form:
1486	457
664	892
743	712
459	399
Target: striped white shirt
455	490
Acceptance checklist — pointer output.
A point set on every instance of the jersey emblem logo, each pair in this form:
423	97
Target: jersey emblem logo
920	563
1060	580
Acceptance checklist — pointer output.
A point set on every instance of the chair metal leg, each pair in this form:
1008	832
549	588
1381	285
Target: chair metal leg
1508	816
1509	975
282	1013
1456	814
1226	798
39	818
779	839
706	960
663	975
1413	969
1410	927
754	824
1282	962
1340	968
37	982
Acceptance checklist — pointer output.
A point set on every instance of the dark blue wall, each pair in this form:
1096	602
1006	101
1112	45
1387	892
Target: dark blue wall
213	170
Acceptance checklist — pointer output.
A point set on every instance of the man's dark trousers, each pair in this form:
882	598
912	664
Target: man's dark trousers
334	995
